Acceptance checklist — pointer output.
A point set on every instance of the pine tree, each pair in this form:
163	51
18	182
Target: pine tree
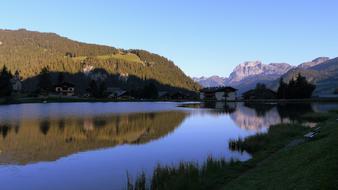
45	82
93	88
281	92
5	82
61	78
298	88
150	91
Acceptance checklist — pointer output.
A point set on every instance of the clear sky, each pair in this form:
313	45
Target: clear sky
203	37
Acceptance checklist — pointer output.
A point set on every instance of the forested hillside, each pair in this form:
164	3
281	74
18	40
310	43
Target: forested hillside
29	52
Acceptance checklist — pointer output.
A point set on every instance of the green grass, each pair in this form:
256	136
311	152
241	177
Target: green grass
282	159
316	117
264	144
130	57
309	165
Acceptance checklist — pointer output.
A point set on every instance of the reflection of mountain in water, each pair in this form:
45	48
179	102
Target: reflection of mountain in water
257	116
254	118
28	141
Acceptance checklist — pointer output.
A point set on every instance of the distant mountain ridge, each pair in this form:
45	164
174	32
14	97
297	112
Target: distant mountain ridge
246	75
322	71
211	81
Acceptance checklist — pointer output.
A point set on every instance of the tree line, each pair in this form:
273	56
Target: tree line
5	82
298	88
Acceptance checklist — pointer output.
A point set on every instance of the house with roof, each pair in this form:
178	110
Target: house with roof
16	83
65	89
218	94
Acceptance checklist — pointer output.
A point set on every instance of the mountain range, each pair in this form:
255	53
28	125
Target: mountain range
29	51
322	71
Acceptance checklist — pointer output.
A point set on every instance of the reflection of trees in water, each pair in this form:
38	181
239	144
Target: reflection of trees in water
293	111
61	124
255	116
4	129
44	126
16	128
57	137
260	108
100	122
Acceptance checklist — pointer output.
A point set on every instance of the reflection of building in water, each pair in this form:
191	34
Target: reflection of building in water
218	94
221	107
88	124
50	139
248	118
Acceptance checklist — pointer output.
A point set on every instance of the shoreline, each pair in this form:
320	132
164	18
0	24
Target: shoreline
4	101
279	159
11	100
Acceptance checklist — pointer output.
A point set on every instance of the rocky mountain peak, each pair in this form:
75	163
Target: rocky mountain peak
314	62
255	68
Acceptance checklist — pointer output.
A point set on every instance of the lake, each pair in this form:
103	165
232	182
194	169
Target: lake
94	145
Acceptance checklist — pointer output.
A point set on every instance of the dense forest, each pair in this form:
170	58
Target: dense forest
297	88
29	52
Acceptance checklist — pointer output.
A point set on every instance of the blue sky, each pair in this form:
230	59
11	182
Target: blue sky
206	37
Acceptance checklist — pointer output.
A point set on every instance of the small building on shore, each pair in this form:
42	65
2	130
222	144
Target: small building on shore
65	89
16	83
219	94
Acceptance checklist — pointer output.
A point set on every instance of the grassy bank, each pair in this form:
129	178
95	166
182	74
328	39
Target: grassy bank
282	159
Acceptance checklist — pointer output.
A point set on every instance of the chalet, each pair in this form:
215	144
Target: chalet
65	89
218	94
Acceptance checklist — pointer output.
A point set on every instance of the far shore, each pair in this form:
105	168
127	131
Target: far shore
9	101
22	100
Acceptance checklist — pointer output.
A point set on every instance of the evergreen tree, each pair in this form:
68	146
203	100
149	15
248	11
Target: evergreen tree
298	88
5	82
93	88
97	89
281	92
102	90
45	82
61	78
150	91
304	88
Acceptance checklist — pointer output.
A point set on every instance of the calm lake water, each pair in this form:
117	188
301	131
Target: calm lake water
94	145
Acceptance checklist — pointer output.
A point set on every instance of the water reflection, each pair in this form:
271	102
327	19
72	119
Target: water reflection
91	146
260	116
49	139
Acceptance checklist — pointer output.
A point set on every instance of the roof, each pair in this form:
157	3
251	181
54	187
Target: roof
219	89
65	84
